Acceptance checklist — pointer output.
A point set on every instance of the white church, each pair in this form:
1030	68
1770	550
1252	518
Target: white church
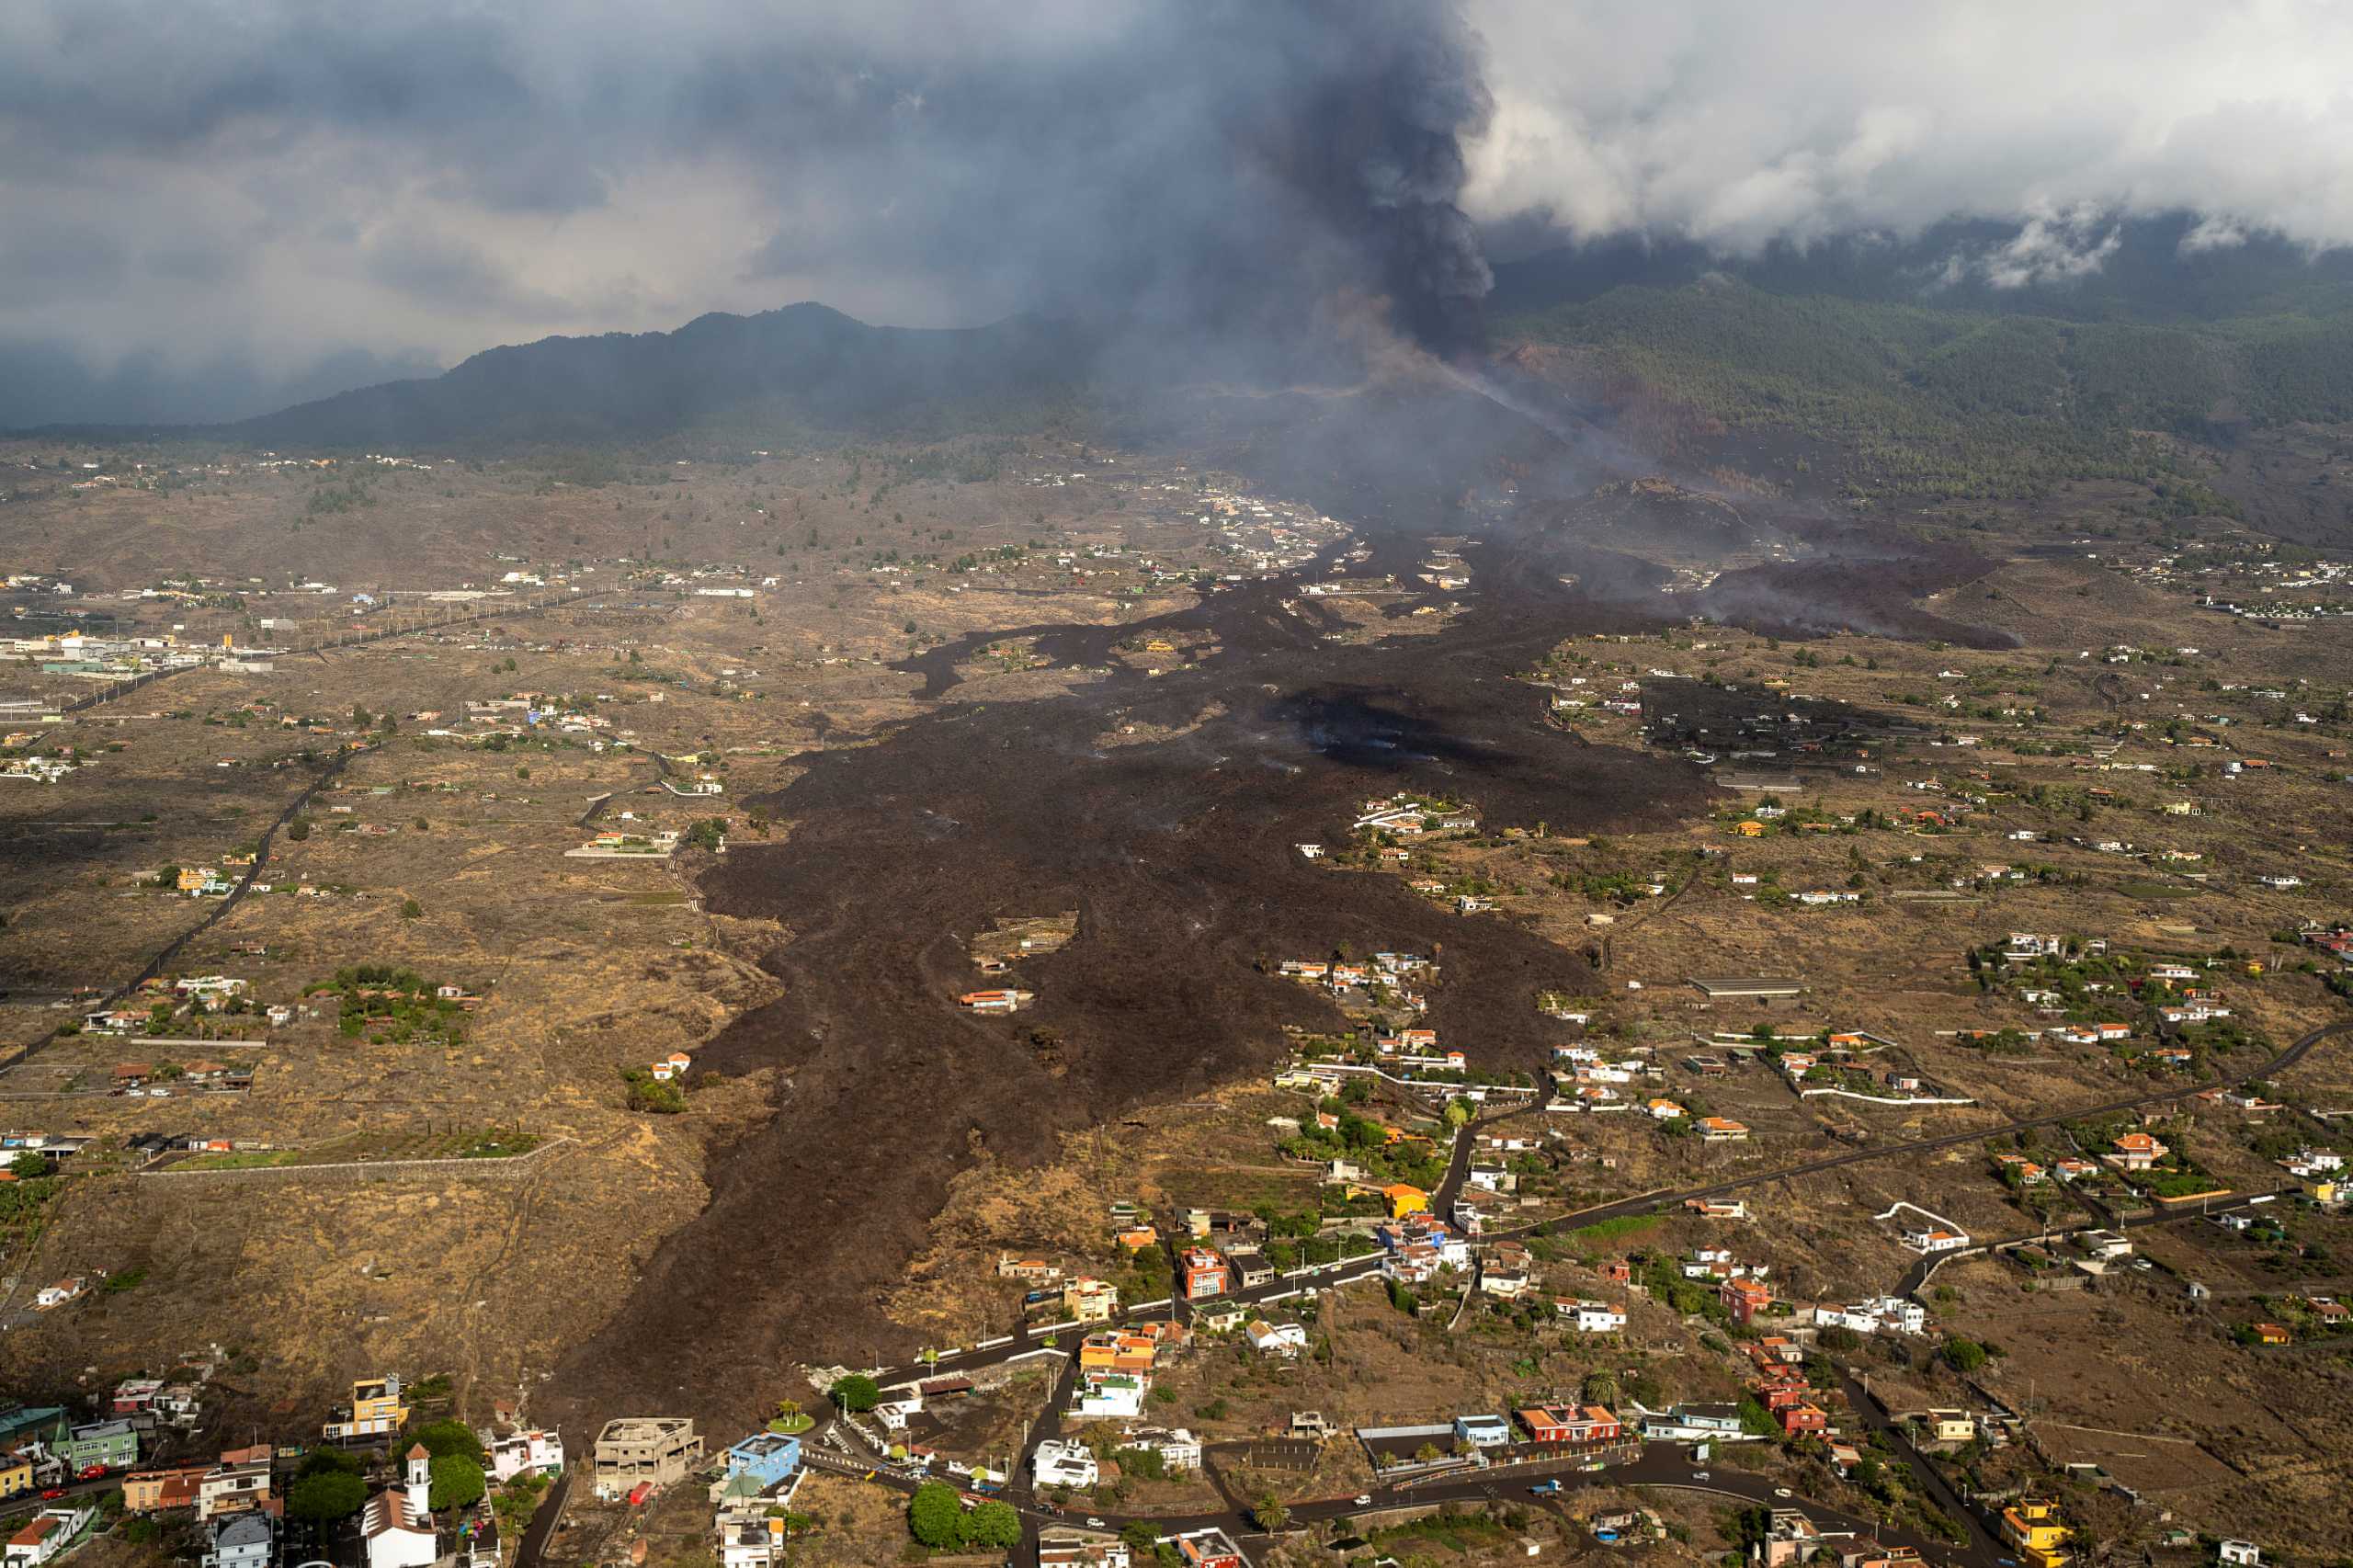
398	1525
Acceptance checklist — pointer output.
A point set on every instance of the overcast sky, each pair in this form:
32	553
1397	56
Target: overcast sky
240	190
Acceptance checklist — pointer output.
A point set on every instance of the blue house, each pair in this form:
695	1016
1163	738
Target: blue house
1482	1431
764	1457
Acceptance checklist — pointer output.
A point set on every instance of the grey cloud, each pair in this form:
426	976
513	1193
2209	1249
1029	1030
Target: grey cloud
448	272
43	263
51	383
439	175
1739	126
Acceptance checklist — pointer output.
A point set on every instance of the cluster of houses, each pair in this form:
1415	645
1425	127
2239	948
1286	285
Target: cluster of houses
1404	816
620	843
2320	1172
235	1497
157	1001
1547	1429
752	1482
1584	1078
520	713
95	657
1116	1367
1792	1537
35	767
1398	973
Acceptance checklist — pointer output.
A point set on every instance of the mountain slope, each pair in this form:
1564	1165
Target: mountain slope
802	365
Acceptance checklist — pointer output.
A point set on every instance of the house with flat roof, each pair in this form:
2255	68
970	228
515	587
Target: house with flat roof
768	1459
655	1451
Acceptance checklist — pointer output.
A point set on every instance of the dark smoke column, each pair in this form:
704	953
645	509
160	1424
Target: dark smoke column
1372	101
1410	170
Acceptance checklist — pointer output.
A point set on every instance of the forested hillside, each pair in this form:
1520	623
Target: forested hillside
1962	402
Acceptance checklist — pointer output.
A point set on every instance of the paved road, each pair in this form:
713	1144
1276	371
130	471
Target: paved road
1930	1479
1661	1464
543	1523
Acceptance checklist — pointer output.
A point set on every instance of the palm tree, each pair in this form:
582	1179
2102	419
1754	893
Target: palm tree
1600	1388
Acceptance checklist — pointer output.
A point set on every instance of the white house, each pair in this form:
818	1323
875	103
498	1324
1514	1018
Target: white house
1593	1317
1119	1396
526	1452
45	1535
1058	1462
241	1540
1928	1240
1878	1314
1178	1447
1284	1339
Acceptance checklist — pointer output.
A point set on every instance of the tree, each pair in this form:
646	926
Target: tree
935	1515
298	829
994	1524
1270	1513
411	909
1600	1388
457	1483
1965	1356
449	1435
28	1167
1140	1538
326	1496
858	1393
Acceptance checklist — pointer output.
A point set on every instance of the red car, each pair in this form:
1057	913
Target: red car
53	1495
90	1472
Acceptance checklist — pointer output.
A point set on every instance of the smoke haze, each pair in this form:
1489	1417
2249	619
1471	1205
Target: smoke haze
222	205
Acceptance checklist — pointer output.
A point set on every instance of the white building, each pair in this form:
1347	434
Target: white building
1880	1314
1285	1339
1593	1317
1928	1240
1178	1447
1058	1462
525	1453
398	1523
45	1535
241	1540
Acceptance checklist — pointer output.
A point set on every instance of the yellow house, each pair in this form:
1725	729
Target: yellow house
1087	1299
2034	1529
375	1410
16	1474
1405	1199
1751	828
2322	1188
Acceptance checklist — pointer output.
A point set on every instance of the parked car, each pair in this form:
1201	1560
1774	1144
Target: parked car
90	1472
53	1494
